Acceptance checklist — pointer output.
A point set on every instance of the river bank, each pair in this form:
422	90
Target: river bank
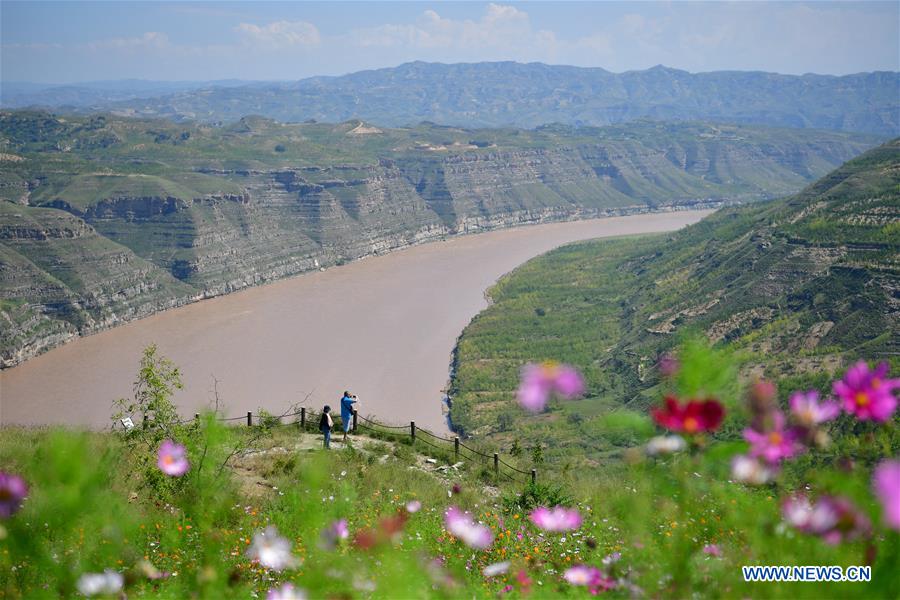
383	327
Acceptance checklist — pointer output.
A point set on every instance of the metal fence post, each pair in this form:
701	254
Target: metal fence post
355	415
496	464
533	476
249	418
303	417
412	430
456	447
146	420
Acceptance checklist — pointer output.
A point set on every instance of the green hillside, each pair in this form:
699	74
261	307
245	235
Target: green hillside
796	287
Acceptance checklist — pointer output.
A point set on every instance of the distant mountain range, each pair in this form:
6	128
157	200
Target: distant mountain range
492	94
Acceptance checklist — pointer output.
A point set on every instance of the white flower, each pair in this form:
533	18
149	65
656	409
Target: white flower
463	527
94	584
747	469
665	444
286	592
271	550
496	569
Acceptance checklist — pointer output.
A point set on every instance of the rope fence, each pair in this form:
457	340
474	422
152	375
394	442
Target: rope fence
307	419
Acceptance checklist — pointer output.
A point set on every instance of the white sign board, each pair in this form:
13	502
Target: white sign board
127	423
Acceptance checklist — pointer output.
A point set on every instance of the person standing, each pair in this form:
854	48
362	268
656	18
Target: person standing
347	402
325	425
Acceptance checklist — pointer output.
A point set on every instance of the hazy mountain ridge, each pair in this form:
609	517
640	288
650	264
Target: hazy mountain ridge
530	95
799	286
108	219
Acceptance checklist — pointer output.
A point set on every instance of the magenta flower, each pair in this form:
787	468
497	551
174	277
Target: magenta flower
172	459
809	412
538	382
286	592
13	491
866	393
775	444
463	527
712	550
556	519
886	482
334	533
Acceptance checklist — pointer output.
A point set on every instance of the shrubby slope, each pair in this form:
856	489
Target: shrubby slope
797	287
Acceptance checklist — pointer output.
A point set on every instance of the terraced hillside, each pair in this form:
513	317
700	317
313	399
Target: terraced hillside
105	219
795	286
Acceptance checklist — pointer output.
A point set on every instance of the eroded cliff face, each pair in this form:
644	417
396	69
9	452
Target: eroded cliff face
75	261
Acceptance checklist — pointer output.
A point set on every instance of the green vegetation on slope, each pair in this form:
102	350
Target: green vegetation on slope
796	287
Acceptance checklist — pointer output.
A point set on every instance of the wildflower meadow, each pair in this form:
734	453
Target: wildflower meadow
726	475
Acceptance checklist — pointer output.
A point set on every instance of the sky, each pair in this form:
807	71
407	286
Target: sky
65	42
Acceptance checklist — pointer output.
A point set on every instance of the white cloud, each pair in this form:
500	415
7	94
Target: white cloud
150	40
500	27
279	34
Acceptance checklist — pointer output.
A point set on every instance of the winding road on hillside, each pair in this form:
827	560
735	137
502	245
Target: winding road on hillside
383	328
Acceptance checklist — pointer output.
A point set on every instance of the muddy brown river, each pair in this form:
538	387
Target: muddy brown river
383	328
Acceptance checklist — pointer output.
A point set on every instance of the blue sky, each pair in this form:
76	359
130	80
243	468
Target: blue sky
82	41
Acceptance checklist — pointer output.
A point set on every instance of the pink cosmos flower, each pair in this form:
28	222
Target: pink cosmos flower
13	491
809	412
463	527
271	550
556	519
592	577
866	393
886	482
581	575
538	382
832	519
796	511
334	533
172	459
286	592
712	550
775	444
413	506
668	365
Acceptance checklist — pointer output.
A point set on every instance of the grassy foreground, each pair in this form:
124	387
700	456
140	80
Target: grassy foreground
370	520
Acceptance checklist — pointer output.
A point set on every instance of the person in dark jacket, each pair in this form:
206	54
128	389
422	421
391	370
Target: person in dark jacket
325	425
347	402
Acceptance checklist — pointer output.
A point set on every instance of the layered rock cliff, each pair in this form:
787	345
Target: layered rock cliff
95	234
